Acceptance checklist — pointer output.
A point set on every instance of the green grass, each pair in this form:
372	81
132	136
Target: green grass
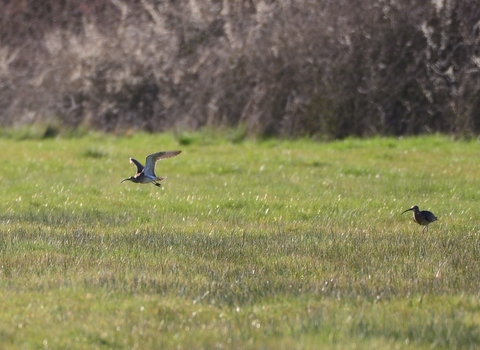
249	244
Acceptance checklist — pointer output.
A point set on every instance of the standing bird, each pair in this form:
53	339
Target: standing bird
146	174
423	217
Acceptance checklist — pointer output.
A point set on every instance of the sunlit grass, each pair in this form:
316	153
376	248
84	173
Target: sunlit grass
248	244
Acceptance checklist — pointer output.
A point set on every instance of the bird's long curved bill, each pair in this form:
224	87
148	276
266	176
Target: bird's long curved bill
125	179
406	211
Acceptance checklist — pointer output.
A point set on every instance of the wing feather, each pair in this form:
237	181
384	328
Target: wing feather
153	158
138	164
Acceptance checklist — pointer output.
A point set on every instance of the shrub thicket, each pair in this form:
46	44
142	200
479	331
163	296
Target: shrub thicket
287	68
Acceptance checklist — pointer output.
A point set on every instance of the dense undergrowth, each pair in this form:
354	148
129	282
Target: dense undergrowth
288	68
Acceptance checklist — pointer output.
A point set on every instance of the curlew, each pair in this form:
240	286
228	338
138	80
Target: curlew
146	174
423	217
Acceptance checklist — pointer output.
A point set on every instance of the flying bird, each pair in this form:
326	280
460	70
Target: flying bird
146	174
423	217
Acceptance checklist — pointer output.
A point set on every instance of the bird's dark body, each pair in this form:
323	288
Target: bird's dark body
422	217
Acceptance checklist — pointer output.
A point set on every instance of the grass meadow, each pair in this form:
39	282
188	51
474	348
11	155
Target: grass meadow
249	244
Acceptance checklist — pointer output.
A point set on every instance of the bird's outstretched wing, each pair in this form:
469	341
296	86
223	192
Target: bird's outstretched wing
138	164
153	158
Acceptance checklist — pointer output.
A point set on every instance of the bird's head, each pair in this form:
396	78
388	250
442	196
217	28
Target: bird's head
414	209
128	179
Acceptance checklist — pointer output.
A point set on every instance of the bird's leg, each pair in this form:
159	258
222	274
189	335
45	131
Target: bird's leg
157	184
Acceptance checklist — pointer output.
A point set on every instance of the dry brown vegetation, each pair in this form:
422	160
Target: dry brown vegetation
286	68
